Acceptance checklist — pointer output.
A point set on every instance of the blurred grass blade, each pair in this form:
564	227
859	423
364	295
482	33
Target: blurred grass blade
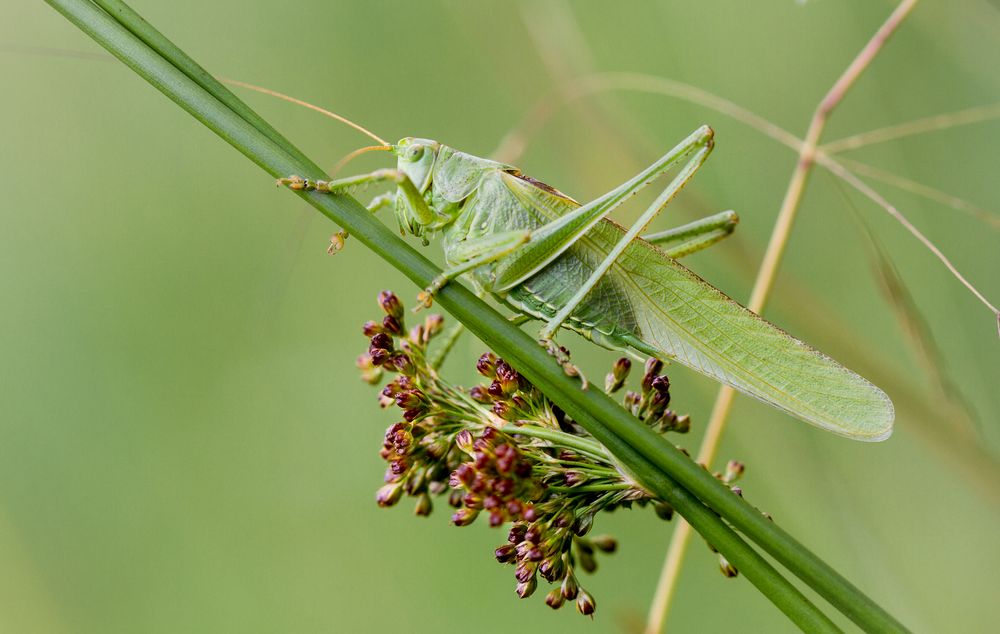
657	463
135	23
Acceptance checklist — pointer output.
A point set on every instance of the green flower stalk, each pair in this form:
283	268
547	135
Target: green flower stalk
503	451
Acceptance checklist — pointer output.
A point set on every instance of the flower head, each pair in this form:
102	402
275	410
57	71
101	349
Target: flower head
503	451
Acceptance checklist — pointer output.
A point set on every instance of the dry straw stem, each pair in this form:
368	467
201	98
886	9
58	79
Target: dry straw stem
762	289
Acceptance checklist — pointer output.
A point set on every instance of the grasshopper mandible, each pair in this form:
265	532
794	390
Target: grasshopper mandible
547	257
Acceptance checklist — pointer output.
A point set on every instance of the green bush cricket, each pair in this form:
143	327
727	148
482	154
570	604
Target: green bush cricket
547	257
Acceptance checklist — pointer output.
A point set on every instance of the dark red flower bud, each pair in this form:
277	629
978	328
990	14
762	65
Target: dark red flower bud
389	494
390	304
465	474
391	325
505	464
463	440
504	411
516	534
487	365
554	599
496	518
661	384
526	588
621	368
464	516
482	459
657	405
495	389
410	399
480	395
504	487
513	508
371	328
569	587
653	367
381	341
432	326
479	485
523	549
585	603
411	415
509	379
616	378
552	568
631	399
401	363
525	570
505	553
402	441
405	383
472	501
533	535
378	355
529	513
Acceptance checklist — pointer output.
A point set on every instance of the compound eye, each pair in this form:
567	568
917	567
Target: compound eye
414	152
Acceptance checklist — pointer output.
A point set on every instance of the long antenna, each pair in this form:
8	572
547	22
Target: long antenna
305	104
358	152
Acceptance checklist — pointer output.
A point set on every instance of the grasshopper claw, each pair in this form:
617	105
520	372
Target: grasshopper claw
425	299
293	182
561	355
337	242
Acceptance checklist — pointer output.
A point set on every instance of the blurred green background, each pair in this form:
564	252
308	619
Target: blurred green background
184	443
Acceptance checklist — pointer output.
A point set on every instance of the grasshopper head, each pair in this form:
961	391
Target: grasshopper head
416	159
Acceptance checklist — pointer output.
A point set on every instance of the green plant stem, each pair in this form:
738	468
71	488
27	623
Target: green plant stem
582	445
592	488
648	455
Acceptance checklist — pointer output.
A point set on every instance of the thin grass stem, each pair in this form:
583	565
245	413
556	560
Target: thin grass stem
936	123
766	275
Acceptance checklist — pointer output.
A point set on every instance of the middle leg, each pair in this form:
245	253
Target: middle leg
704	147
